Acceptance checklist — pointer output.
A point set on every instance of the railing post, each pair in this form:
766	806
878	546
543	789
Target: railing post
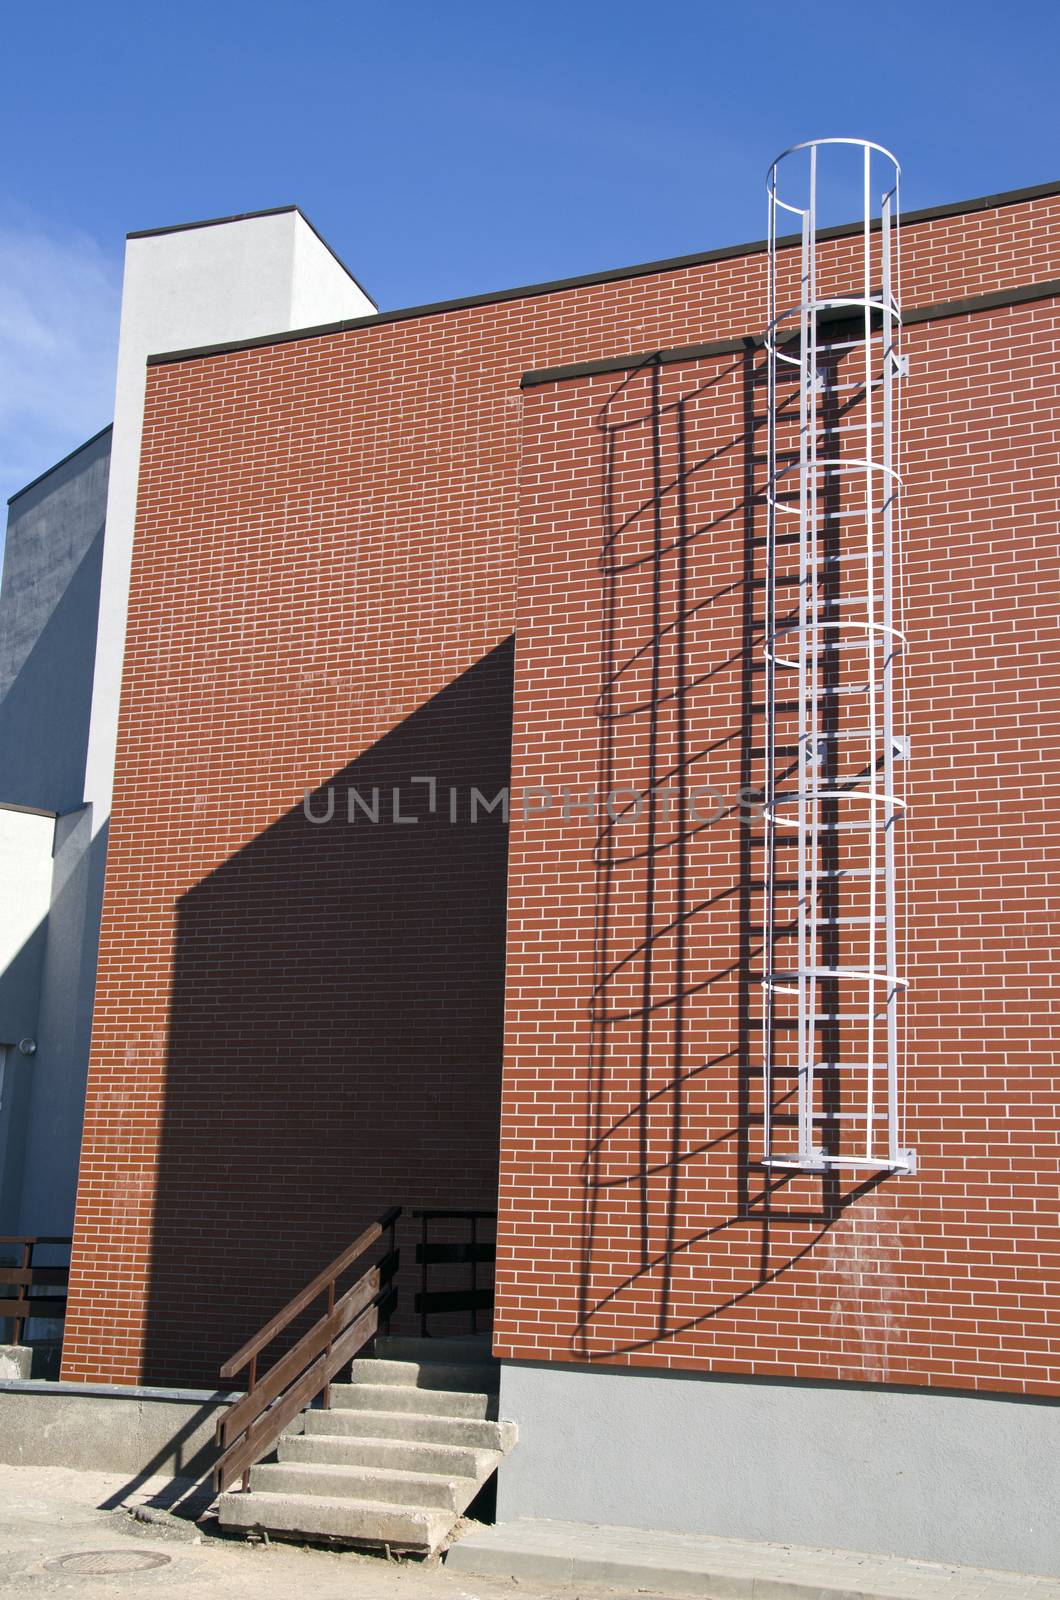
423	1276
23	1288
474	1271
252	1378
391	1244
331	1307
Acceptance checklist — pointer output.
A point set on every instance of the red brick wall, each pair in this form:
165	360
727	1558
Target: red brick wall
638	1225
296	1027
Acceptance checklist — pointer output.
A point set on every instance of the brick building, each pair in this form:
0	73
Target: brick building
393	564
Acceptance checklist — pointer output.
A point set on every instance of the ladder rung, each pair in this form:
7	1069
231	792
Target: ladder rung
847	733
833	874
792	827
829	645
822	1017
831	601
790	1119
825	693
822	922
828	1117
854	425
844	557
790	1069
850	1066
840	789
786	981
830	1163
853	387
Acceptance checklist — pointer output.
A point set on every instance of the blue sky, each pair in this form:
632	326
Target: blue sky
449	148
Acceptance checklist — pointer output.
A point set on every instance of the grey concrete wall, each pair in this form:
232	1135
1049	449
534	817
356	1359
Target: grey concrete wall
938	1475
52	1139
143	1433
49	609
49	618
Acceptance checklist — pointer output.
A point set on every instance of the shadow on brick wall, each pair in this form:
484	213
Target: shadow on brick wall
335	1037
674	1081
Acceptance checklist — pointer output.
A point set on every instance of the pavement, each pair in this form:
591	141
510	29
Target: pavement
48	1514
95	1534
722	1569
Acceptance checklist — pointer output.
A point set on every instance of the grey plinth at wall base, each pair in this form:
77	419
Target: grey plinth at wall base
163	1433
16	1361
931	1475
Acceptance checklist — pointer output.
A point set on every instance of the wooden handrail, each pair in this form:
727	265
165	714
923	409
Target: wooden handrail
252	1426
36	1239
51	1277
24	1307
305	1296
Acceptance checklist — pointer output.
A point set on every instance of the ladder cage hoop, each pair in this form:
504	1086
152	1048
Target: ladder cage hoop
833	489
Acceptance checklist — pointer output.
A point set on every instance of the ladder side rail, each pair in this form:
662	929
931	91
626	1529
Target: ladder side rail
769	875
892	814
803	1044
807	765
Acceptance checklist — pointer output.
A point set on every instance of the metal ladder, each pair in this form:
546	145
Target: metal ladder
835	747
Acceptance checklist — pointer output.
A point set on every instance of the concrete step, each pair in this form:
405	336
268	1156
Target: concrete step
316	1516
425	1428
455	1461
476	1376
432	1489
363	1396
473	1348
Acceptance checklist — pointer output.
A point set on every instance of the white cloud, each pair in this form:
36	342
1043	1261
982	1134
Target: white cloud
59	302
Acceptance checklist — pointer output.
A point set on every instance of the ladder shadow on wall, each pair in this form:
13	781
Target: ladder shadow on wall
674	1081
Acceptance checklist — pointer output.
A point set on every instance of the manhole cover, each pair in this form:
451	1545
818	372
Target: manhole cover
97	1563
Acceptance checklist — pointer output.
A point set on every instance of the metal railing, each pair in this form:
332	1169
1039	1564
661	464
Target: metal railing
23	1276
474	1251
253	1425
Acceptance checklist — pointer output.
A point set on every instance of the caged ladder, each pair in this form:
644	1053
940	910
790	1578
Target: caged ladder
835	746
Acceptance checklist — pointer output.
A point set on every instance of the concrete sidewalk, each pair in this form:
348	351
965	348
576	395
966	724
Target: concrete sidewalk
722	1569
62	1530
66	1533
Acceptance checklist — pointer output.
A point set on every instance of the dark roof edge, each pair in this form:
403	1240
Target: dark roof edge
996	299
28	811
251	216
210	222
987	202
26	487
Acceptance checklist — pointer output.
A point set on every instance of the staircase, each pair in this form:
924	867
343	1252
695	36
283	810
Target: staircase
402	1451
